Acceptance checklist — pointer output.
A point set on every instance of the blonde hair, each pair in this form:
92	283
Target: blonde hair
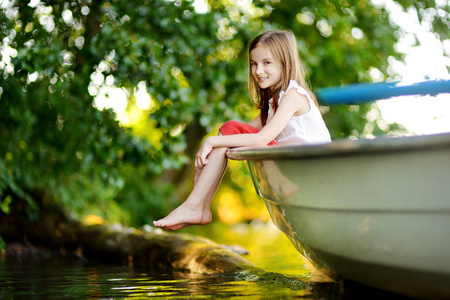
283	46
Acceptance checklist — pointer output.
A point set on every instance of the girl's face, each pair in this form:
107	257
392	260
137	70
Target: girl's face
264	68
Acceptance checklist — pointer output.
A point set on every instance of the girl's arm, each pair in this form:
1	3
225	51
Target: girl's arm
291	104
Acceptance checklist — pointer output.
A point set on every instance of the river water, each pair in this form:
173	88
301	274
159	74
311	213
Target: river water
72	278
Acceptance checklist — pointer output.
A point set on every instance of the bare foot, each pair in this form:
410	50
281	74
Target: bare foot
183	216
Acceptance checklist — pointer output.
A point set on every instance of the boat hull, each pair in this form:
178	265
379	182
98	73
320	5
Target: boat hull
376	212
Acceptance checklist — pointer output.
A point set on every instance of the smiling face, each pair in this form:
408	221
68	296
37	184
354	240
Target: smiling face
264	68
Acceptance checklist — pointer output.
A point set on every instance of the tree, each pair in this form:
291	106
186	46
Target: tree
60	58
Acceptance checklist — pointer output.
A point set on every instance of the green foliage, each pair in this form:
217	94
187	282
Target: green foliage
59	58
337	39
144	199
2	246
60	148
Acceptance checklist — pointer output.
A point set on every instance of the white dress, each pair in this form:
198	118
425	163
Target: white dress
308	128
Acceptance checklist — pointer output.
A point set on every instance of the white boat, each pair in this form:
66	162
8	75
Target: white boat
373	211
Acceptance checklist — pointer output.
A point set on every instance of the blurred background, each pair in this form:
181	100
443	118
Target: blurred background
104	103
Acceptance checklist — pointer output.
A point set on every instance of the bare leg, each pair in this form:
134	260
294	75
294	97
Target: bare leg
198	171
206	204
196	209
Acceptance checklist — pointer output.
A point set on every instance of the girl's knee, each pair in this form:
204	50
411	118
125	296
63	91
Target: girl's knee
221	150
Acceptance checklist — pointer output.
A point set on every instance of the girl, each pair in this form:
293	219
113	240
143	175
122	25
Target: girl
288	114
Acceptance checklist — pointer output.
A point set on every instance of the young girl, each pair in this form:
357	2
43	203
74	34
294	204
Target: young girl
288	114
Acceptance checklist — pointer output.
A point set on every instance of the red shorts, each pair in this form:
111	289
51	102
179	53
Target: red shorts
235	127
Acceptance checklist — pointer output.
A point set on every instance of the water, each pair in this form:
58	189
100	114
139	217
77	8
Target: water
71	278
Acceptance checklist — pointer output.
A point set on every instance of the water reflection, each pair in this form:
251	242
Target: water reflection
72	279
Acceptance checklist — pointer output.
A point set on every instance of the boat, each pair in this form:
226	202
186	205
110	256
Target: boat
373	211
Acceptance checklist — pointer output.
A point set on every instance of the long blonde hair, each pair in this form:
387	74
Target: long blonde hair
283	46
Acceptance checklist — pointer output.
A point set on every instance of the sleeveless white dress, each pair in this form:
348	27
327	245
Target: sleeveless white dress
308	128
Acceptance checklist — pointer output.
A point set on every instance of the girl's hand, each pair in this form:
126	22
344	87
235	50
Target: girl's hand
201	159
